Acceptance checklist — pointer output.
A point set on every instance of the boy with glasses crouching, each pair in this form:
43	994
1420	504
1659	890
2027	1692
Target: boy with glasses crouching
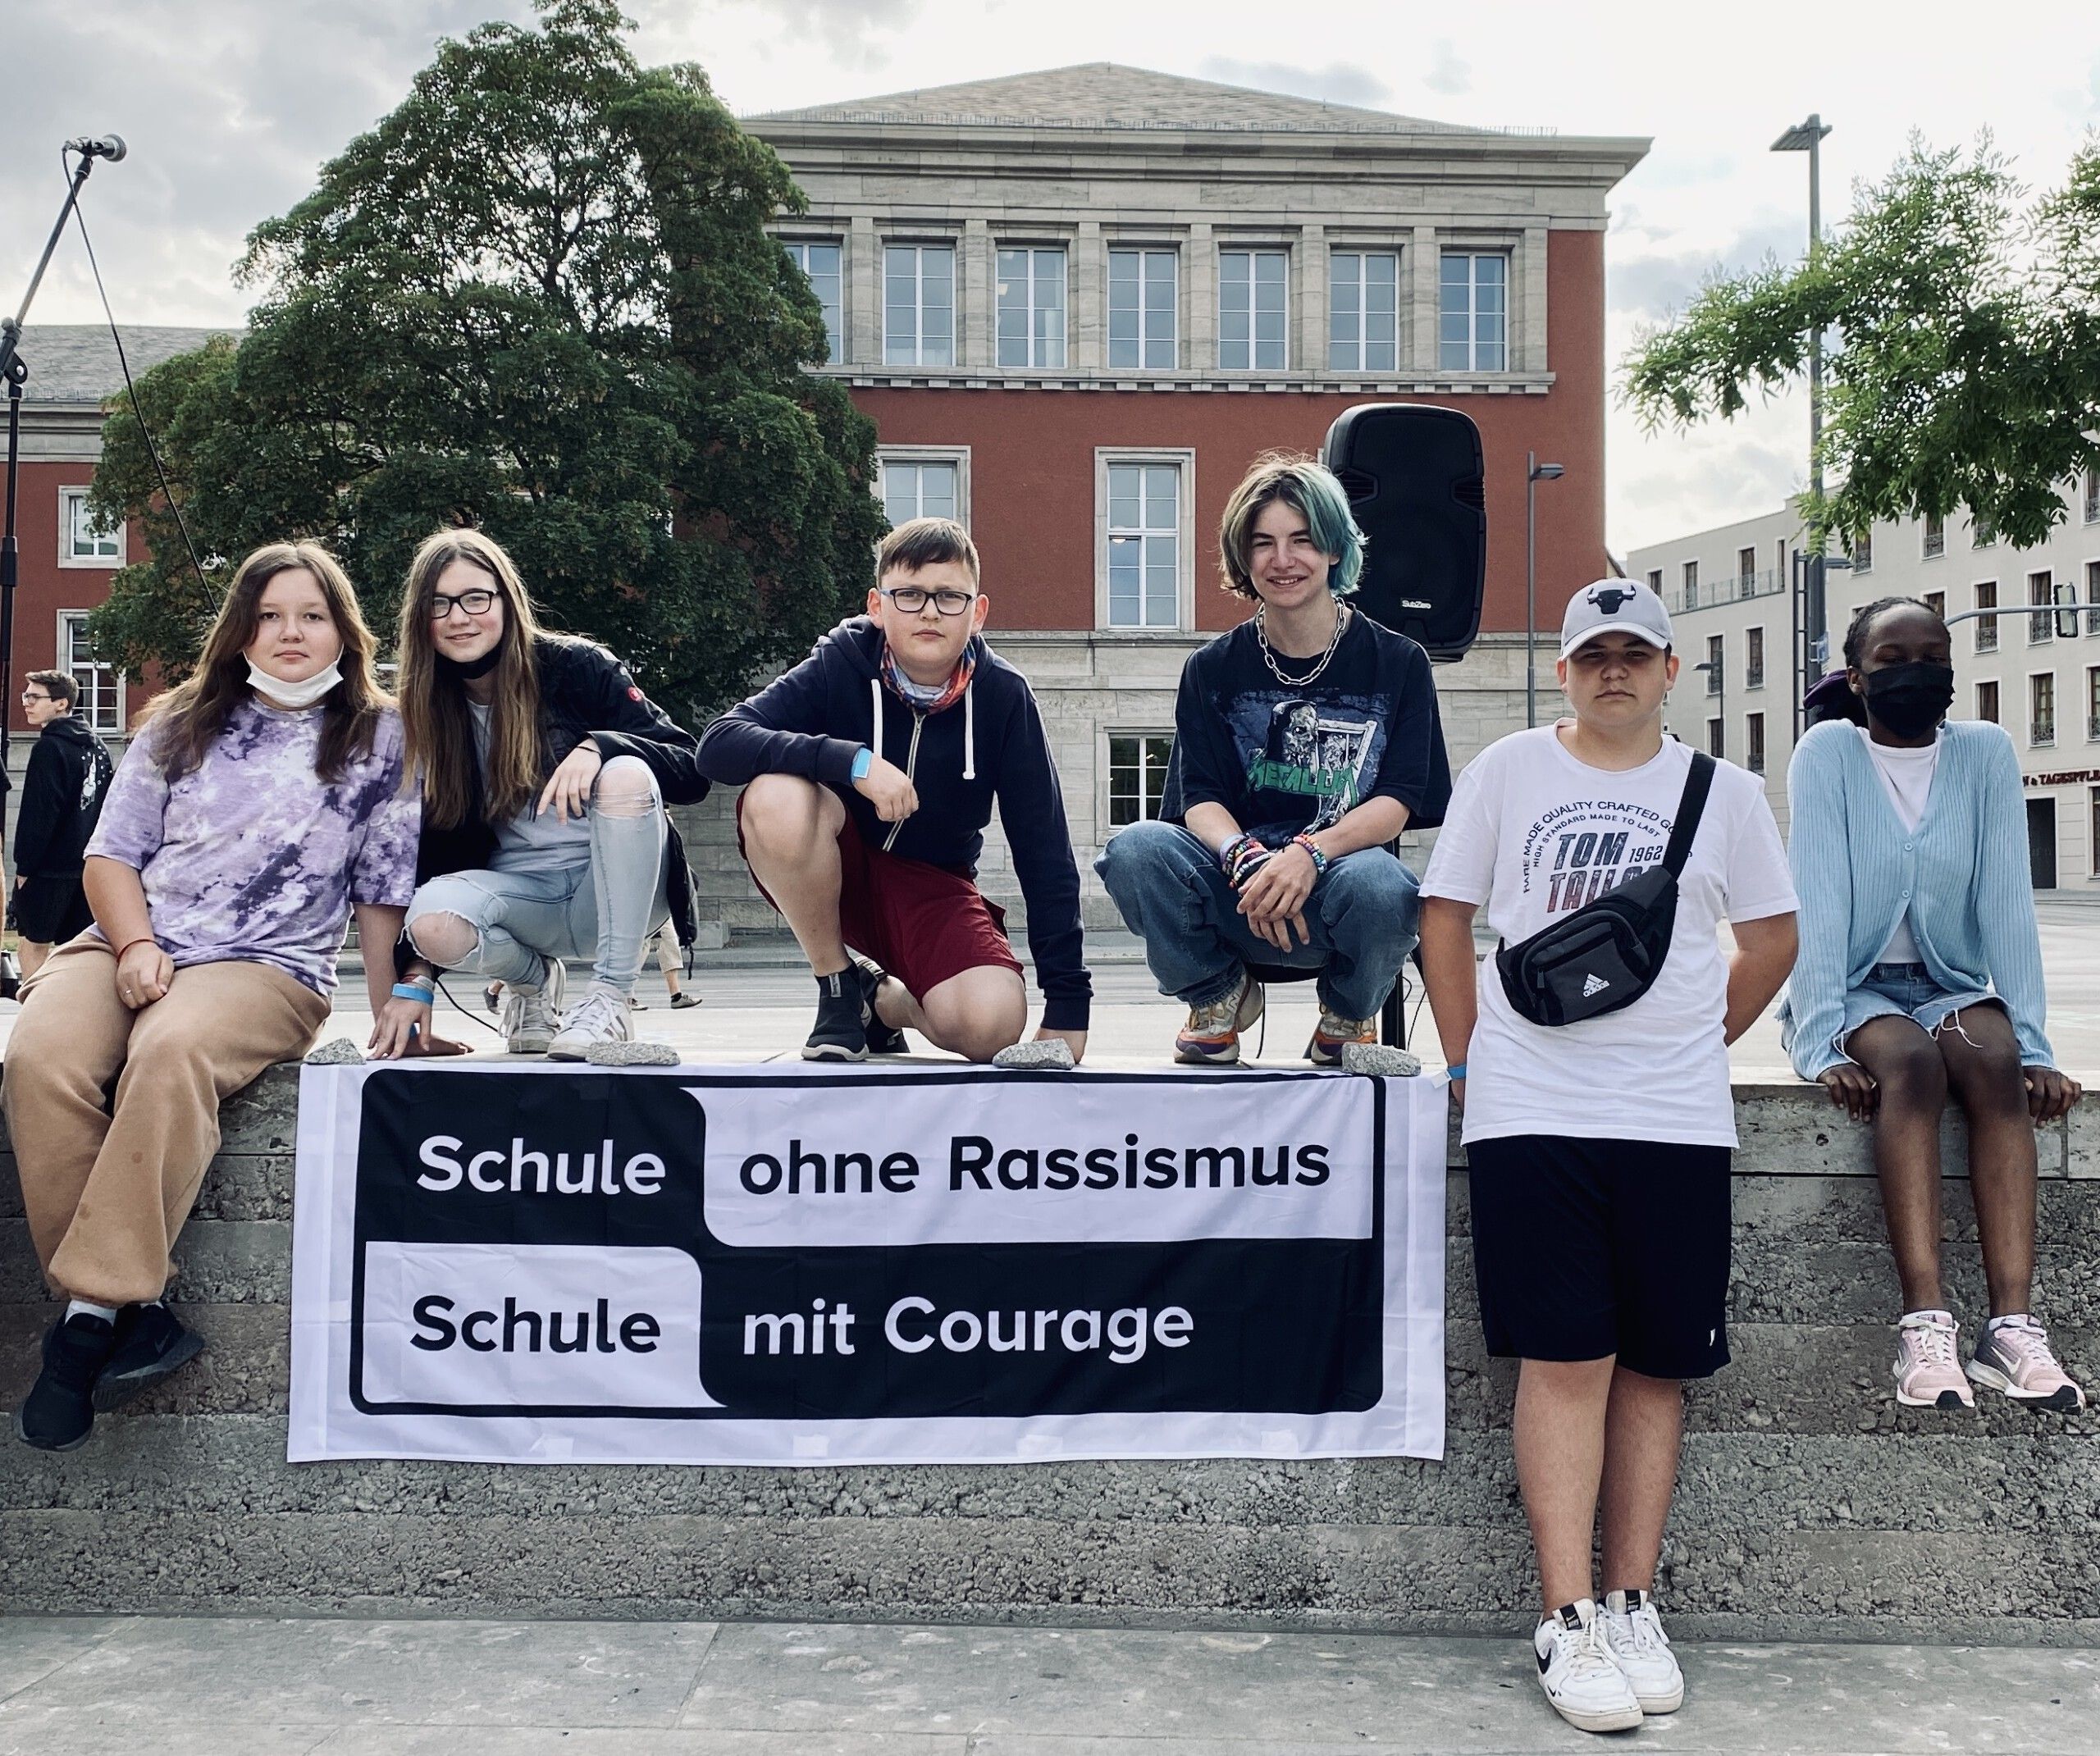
870	771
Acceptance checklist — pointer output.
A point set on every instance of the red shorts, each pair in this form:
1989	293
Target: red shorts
922	923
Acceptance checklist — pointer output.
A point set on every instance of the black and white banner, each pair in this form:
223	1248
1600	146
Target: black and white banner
789	1265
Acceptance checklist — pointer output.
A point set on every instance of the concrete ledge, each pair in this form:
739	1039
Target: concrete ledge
1809	1505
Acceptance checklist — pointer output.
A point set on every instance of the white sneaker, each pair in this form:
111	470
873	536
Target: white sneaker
597	1019
531	1016
1634	1633
1578	1673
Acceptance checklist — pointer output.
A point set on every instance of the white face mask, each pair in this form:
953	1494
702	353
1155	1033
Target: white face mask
293	695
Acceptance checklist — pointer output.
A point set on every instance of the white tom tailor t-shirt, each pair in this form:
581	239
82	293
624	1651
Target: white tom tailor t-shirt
1906	775
1534	834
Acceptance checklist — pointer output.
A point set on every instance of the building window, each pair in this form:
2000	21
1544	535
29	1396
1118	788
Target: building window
1146	550
1713	660
1753	732
1753	659
2041	589
1141	301
1032	308
100	702
2091	496
2092	703
2041	707
1935	534
819	263
1137	775
2092	597
1745	573
1252	319
1691	585
1982	532
1472	317
1987	626
1655	580
82	542
1986	701
1862	552
1717	739
1936	602
919	304
917	484
1363	310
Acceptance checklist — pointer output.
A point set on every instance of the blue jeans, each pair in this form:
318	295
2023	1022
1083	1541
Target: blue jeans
1167	885
607	907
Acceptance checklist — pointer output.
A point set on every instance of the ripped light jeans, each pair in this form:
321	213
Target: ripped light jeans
607	907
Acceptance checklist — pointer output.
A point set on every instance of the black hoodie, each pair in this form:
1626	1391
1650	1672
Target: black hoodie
68	772
988	745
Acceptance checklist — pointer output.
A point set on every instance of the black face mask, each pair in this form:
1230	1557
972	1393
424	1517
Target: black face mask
480	666
1910	699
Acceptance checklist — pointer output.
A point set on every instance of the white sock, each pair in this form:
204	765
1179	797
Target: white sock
75	1308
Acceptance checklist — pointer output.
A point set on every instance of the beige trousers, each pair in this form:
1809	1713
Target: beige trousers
107	1189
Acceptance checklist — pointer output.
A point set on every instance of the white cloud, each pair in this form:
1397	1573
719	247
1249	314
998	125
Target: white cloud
1447	73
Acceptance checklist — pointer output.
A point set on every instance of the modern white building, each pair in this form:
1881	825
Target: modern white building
1731	594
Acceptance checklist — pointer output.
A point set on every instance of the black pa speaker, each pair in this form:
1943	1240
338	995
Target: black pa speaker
1413	475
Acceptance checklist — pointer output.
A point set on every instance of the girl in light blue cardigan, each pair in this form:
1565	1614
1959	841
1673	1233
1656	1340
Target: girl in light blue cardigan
1920	974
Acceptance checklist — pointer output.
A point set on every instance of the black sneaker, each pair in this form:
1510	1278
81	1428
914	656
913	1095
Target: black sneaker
883	1039
839	1035
59	1411
151	1343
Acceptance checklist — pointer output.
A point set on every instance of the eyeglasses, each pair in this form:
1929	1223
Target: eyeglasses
474	603
911	599
29	696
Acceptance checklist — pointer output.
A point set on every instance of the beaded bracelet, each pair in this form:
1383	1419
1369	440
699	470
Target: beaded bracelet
1249	857
1319	859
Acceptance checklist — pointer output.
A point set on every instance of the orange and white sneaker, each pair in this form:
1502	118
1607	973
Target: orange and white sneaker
1928	1372
1210	1038
2014	1358
1334	1034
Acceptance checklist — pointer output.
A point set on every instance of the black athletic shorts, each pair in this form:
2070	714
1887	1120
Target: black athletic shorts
1586	1248
51	909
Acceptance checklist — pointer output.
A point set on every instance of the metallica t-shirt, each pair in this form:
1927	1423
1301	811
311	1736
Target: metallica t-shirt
1535	834
1288	759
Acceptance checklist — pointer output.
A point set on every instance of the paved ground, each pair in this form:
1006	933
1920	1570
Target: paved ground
758	1004
227	1687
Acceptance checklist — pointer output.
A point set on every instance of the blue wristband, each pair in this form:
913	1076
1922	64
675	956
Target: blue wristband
863	760
424	996
1455	1073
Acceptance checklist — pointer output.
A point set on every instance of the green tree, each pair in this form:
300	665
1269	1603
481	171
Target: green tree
1964	369
539	297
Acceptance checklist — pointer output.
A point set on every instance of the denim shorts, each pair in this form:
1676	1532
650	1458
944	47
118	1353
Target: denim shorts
1905	990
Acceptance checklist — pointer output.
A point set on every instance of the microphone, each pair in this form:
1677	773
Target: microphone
110	147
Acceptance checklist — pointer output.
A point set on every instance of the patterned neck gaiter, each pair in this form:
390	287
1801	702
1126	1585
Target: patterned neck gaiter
918	695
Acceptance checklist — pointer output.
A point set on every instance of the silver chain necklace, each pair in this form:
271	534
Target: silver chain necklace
1327	657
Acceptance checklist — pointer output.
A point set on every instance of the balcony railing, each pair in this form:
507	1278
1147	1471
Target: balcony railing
2093	728
2040	732
1733	589
1753	677
1987	633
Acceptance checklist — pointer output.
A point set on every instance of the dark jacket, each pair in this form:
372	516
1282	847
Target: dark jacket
63	789
588	696
988	746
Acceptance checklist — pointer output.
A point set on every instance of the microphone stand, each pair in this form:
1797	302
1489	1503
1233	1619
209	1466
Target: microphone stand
14	370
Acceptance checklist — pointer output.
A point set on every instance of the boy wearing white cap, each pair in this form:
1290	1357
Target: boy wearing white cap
1600	1125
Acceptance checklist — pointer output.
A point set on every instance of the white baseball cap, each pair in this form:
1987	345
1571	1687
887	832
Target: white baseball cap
1614	606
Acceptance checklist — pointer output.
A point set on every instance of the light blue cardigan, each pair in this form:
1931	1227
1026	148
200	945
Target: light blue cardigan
1963	874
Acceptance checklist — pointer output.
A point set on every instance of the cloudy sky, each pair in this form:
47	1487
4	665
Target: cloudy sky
231	105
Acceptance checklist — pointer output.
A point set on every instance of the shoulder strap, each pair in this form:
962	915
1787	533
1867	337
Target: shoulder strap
1690	808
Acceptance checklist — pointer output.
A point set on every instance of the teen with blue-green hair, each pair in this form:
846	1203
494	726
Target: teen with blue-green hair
1305	741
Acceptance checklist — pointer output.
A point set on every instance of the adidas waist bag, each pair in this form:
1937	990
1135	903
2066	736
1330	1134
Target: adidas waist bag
1607	954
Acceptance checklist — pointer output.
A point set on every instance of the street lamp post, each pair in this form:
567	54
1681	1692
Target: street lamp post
1807	137
1535	472
1720	693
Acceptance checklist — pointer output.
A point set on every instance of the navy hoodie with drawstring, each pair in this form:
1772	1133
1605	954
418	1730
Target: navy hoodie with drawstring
988	746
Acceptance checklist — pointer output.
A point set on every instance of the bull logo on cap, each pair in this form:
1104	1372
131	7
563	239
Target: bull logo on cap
1609	598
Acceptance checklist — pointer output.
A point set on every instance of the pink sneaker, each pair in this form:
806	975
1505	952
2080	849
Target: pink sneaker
2014	1358
1927	1373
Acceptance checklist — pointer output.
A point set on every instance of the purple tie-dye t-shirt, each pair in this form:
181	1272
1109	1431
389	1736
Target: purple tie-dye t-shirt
251	857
